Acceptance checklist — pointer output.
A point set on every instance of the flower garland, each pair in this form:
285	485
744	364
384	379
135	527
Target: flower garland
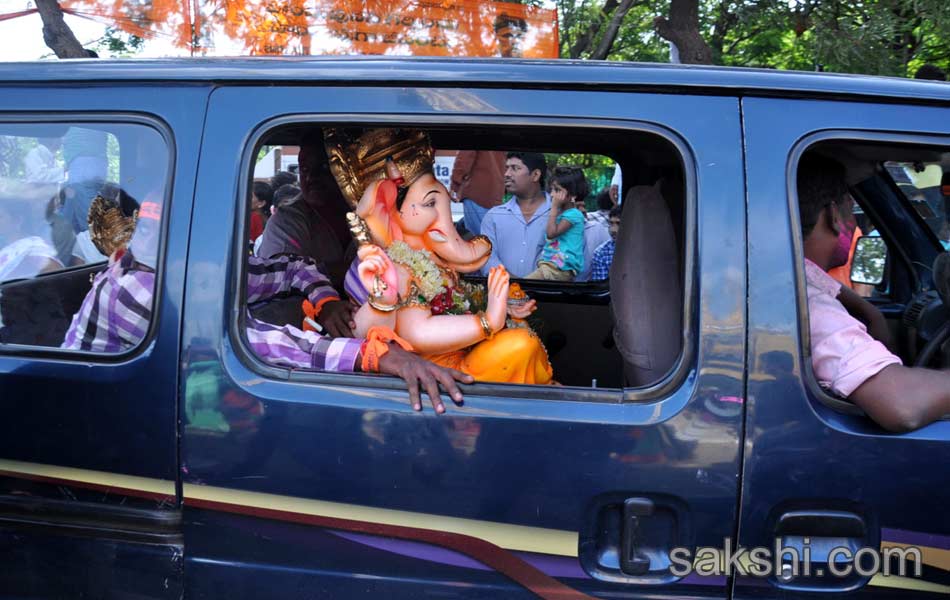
437	287
430	281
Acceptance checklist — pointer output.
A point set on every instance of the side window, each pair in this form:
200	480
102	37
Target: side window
869	225
539	202
80	223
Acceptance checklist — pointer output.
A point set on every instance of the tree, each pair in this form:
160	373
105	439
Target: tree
682	28
57	35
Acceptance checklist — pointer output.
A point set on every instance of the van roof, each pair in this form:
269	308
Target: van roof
458	72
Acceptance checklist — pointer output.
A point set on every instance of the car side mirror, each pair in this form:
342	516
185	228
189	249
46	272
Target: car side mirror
867	264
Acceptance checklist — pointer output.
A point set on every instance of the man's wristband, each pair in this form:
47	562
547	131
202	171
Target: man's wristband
376	346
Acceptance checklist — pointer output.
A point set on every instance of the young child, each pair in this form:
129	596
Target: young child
563	255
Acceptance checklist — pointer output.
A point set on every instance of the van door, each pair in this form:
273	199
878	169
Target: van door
329	485
813	476
89	505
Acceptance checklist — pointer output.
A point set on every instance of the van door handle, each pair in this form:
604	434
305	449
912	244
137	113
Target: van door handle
823	523
632	562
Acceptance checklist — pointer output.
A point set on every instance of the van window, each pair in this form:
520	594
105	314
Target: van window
488	182
868	211
80	222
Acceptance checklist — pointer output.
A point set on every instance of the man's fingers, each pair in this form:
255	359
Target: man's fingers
446	378
413	384
432	389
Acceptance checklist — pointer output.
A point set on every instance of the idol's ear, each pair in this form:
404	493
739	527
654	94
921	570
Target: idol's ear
378	207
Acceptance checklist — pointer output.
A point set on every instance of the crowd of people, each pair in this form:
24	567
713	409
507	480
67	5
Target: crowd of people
544	231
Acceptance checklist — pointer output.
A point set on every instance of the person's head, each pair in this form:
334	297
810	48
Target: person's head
604	201
282	178
778	364
317	184
262	196
614	227
509	31
284	195
932	72
524	173
824	208
572	181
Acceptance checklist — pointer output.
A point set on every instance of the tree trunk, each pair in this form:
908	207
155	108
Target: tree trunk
682	28
584	41
613	28
56	33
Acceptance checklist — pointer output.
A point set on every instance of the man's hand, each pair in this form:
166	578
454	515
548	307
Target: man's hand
336	318
418	372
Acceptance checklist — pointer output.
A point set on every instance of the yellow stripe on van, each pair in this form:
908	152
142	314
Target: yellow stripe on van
504	535
98	478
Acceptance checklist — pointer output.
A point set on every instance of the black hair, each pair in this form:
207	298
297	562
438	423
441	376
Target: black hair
282	178
929	71
532	160
284	194
572	179
603	200
264	193
615	212
504	20
821	183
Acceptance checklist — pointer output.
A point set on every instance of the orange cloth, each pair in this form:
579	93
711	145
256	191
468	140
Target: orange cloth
310	311
513	355
376	346
843	273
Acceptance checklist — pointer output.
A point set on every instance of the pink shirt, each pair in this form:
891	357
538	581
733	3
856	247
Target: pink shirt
843	354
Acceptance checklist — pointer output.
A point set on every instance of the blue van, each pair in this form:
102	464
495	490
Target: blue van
688	424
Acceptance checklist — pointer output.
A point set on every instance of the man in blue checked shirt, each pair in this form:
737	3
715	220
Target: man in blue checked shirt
604	255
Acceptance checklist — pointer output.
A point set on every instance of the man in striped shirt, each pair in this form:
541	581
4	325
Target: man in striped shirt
116	313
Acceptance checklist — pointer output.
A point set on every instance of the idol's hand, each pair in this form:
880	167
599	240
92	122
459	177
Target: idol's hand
497	289
522	311
378	275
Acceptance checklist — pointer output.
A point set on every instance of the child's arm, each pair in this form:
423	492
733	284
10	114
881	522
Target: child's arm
554	229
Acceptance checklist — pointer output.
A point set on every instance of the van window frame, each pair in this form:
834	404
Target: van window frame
658	390
895	252
116	118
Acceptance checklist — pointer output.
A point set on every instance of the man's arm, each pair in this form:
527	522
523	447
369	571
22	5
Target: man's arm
867	313
902	399
461	170
290	347
268	277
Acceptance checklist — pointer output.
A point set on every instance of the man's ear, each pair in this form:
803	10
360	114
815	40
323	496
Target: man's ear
834	219
536	175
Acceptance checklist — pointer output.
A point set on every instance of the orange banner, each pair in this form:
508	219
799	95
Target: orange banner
389	27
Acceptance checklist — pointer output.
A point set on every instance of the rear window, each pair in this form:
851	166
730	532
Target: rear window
80	222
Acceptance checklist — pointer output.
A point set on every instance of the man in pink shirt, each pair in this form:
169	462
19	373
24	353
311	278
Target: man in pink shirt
846	358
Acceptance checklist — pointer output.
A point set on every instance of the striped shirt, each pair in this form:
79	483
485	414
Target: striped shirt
116	312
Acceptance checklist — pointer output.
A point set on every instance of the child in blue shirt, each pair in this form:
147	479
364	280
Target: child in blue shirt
563	255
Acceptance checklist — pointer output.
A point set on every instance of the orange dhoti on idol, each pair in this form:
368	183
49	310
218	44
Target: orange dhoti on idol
410	260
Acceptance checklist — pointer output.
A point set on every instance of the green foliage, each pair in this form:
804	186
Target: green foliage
878	37
118	44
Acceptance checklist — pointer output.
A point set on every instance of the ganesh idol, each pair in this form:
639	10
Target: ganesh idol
411	258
